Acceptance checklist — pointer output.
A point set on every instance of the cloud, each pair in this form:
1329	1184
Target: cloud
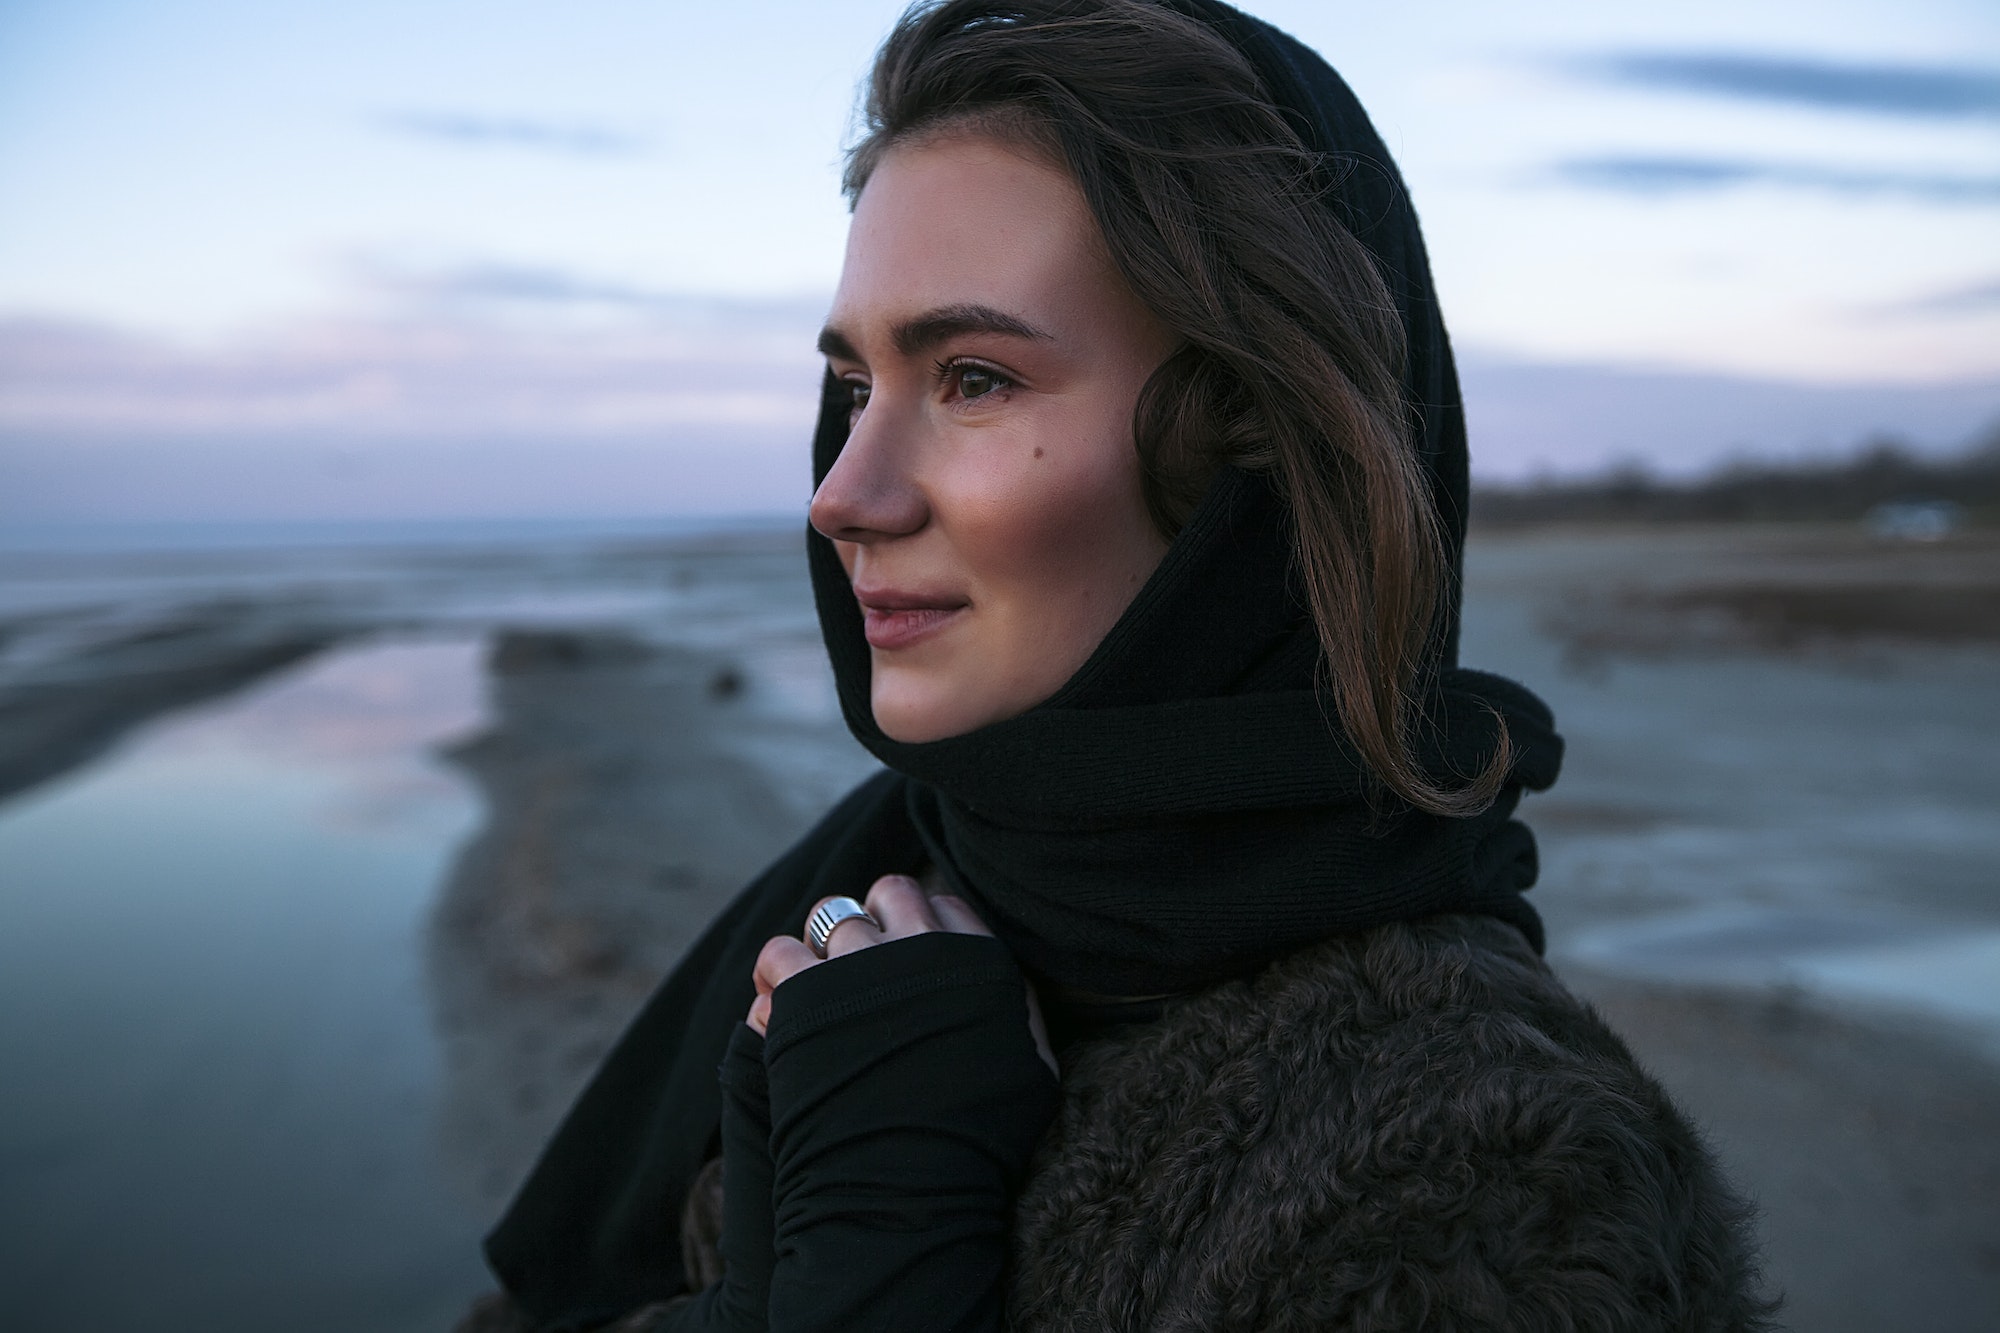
530	284
1942	92
549	295
1527	417
414	419
474	131
413	416
412	378
1663	175
1978	298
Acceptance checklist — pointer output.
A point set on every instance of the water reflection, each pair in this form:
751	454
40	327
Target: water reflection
1883	959
292	985
223	1080
287	1003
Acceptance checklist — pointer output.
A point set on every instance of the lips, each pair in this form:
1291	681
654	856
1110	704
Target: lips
892	618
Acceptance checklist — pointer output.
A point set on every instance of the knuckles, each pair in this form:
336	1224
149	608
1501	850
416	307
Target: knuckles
899	903
781	957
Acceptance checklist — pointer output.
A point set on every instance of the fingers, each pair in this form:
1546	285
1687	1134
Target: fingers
851	934
901	905
898	902
782	957
956	914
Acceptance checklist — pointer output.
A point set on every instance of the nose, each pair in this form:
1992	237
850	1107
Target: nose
869	493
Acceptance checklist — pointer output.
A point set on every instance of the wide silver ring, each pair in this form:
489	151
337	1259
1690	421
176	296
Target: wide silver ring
820	925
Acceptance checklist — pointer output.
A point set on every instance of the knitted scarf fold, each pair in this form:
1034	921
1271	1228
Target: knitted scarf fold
1179	816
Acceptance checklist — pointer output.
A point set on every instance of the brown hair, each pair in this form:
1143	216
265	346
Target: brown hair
1292	348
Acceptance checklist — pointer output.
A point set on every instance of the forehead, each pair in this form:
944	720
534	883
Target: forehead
967	220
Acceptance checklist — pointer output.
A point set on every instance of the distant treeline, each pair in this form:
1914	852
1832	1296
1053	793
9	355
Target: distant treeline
1882	473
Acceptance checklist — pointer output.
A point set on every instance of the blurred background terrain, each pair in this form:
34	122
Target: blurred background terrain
404	643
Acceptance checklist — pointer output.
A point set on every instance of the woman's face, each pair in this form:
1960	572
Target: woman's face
987	506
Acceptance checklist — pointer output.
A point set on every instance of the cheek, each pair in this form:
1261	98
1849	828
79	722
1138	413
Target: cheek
1066	534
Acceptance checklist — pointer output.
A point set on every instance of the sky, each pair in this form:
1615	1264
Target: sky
428	257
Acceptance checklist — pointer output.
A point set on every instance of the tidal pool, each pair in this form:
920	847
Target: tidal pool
219	1110
223	1089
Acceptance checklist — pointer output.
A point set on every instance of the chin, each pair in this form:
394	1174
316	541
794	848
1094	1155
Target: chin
915	716
917	726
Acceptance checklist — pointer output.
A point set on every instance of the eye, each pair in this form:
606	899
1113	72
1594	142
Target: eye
970	380
857	397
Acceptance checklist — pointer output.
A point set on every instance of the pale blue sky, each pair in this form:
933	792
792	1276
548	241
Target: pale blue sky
1786	190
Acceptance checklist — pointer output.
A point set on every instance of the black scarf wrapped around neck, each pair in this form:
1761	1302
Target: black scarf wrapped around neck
1183	810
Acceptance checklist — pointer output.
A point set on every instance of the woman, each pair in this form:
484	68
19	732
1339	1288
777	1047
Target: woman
1141	493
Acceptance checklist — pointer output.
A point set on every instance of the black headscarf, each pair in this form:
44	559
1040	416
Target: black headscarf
1183	810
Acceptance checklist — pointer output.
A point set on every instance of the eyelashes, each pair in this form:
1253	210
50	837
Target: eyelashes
960	379
971	379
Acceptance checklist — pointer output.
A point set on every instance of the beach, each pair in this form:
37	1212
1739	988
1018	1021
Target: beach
1771	861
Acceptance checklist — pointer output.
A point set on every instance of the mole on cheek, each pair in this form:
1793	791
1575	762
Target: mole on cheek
1038	451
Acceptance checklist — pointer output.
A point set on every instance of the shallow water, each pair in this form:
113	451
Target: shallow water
219	1111
1819	822
226	1103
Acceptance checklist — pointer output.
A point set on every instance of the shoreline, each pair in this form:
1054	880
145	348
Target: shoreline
626	805
1867	1140
646	753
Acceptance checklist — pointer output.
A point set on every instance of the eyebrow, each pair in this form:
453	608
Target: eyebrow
925	332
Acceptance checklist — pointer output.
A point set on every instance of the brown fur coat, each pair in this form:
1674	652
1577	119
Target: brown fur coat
1415	1127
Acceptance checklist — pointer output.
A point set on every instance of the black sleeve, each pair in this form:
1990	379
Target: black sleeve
739	1301
906	1098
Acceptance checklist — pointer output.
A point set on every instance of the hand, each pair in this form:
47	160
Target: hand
904	909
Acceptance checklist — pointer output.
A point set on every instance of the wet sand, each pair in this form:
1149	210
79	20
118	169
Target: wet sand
226	1033
1868	1142
625	805
1771	860
54	721
630	792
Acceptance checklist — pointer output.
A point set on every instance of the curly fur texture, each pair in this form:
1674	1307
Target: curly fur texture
1413	1127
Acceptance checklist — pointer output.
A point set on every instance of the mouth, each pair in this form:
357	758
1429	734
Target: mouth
895	619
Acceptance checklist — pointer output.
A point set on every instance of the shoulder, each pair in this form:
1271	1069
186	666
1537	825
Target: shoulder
1412	1126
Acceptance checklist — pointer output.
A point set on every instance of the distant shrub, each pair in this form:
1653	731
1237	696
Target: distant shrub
1882	475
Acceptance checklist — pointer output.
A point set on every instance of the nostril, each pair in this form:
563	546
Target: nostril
866	498
829	515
